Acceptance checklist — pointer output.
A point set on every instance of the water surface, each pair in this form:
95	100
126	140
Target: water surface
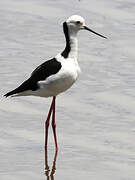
95	118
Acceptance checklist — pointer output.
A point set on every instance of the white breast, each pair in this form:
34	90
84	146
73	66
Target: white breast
60	81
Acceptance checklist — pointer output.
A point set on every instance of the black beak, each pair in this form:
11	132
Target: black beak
85	27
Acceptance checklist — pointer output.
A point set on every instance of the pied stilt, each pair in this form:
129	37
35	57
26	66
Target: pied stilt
56	75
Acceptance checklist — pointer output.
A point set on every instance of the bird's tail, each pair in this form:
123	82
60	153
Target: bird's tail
15	91
20	90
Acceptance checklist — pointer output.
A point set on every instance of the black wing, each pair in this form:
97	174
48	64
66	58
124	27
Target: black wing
42	72
45	70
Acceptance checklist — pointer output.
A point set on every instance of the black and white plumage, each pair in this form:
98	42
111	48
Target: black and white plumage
58	74
41	73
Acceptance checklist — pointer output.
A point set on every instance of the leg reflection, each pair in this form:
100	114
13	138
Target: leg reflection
46	165
47	169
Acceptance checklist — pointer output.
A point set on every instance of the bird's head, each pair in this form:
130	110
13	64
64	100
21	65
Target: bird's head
76	23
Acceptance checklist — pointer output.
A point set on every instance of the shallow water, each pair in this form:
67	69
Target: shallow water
95	118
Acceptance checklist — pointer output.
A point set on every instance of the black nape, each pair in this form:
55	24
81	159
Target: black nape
67	49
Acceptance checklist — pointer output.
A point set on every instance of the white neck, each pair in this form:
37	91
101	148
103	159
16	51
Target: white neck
71	48
73	43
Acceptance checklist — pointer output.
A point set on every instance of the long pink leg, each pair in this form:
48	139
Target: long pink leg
47	124
54	124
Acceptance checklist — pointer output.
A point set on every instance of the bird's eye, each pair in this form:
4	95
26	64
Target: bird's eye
78	22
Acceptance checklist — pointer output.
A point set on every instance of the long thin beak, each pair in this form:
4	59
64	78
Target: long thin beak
85	27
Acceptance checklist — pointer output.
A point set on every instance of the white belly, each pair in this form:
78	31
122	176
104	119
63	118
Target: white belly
59	82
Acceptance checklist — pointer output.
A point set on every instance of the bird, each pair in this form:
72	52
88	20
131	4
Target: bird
58	74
